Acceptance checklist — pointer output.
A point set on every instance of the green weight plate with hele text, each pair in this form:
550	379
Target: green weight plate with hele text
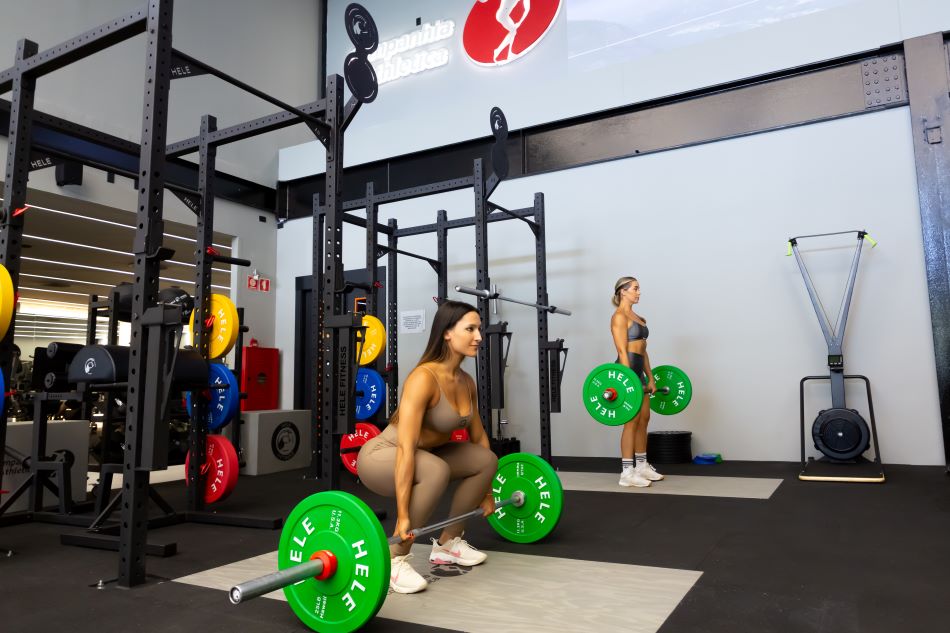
544	498
626	386
680	390
343	524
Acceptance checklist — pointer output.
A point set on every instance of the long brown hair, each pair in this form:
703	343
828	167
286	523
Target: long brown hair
450	312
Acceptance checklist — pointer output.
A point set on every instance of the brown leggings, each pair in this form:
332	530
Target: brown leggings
434	469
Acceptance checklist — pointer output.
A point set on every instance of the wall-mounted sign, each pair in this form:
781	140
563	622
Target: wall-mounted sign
500	31
413	53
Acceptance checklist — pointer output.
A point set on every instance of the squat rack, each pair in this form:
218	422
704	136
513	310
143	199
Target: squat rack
149	378
490	365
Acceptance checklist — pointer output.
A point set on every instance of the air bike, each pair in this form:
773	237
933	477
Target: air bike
839	433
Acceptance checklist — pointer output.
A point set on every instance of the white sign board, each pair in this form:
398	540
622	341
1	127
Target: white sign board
412	321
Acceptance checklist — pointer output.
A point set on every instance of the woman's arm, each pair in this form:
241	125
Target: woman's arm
618	330
416	395
651	384
476	432
477	435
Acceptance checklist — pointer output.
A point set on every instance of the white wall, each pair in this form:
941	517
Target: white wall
704	229
669	50
274	46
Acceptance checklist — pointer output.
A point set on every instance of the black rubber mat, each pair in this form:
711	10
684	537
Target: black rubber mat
815	557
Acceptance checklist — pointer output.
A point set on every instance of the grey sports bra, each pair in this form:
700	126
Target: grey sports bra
442	417
637	332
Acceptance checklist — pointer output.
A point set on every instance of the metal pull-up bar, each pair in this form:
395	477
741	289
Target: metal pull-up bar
304	116
485	294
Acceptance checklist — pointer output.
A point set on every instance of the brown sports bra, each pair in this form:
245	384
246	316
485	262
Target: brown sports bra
442	417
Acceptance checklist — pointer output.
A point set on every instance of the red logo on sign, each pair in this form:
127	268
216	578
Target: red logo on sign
500	31
264	285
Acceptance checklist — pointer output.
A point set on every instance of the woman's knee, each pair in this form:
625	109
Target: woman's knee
434	473
489	461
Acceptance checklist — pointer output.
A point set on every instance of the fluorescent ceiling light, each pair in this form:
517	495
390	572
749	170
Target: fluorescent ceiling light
72	281
112	250
77	245
112	270
49	336
62	292
29	316
126	226
48	326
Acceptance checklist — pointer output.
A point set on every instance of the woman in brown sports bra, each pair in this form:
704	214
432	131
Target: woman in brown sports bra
629	332
414	459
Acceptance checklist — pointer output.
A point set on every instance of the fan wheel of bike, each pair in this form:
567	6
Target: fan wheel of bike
841	434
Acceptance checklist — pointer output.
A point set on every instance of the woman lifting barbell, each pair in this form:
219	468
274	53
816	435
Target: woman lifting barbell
414	458
629	332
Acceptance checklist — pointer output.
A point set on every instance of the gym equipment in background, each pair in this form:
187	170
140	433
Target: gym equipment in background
839	433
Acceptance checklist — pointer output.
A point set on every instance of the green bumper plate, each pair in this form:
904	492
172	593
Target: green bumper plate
544	498
339	522
613	394
679	394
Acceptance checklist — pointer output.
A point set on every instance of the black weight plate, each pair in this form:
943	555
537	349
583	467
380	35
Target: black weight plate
361	28
499	160
360	78
499	124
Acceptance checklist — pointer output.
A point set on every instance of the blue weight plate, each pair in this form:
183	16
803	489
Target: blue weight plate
224	402
223	405
374	392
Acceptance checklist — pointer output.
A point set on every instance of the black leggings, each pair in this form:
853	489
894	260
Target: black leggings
638	366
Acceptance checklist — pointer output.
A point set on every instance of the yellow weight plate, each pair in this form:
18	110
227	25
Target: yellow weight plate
235	320
375	339
224	329
7	300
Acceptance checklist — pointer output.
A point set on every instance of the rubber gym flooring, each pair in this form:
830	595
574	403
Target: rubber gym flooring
806	557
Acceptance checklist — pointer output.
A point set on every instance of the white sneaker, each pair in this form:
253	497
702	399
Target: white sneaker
647	471
456	552
630	477
403	578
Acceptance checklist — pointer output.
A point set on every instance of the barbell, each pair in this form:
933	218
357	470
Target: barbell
487	294
613	393
333	557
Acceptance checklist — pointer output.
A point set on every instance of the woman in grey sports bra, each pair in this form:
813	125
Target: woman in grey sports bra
629	332
414	459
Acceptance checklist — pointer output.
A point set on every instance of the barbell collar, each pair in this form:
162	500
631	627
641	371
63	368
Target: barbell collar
516	499
257	587
484	294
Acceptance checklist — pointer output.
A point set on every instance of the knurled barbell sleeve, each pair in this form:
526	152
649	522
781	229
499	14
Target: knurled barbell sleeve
277	580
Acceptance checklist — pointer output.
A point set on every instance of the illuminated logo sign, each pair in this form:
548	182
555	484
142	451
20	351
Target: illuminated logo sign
500	31
414	52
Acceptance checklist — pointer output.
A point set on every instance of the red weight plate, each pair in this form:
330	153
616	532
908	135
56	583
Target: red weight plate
460	435
352	442
220	468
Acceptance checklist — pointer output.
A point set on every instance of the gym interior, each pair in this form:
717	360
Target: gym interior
227	231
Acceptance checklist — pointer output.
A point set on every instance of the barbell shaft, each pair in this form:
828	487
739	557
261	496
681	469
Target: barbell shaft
277	580
516	499
257	587
485	294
